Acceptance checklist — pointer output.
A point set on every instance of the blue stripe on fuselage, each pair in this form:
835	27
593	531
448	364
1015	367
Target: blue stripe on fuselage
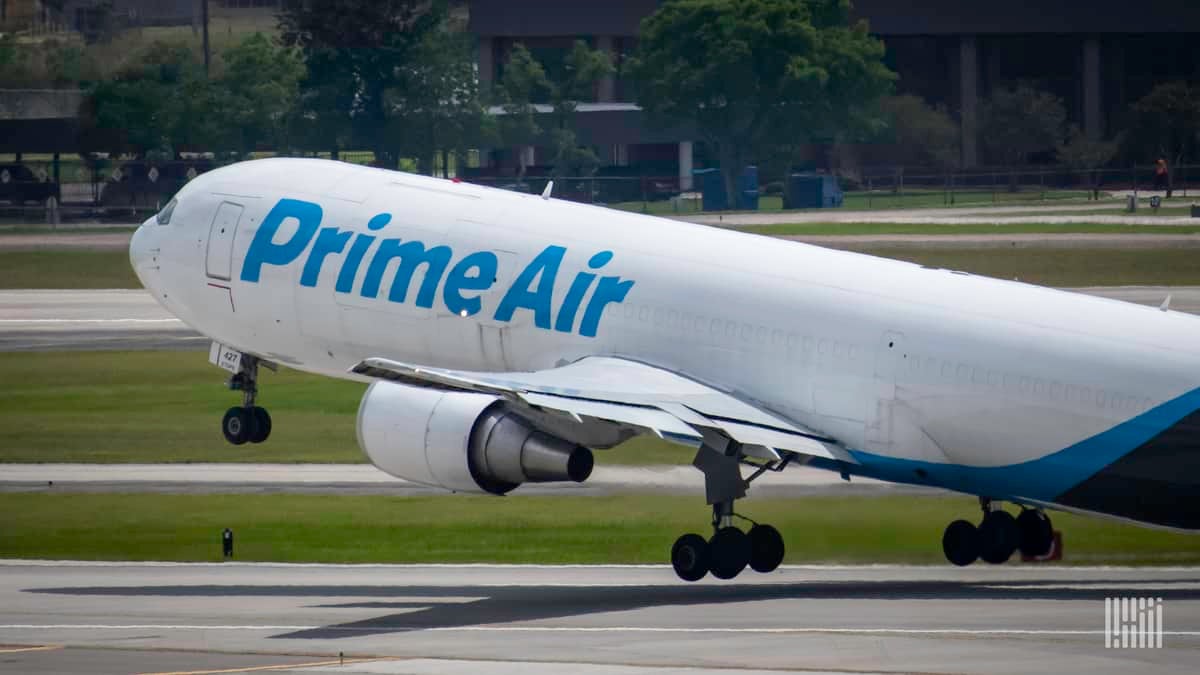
1042	479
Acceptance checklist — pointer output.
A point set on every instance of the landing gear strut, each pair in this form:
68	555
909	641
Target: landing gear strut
730	550
247	423
998	536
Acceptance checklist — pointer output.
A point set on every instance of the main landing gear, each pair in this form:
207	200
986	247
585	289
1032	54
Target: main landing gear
998	536
247	423
729	550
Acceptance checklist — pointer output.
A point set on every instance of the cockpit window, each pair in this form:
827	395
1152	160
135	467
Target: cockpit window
164	216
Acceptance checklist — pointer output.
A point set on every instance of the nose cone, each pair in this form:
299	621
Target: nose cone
141	255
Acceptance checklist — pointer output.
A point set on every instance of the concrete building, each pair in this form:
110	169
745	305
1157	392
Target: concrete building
1098	56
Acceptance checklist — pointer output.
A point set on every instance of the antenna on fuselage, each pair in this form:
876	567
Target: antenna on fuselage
546	192
1166	304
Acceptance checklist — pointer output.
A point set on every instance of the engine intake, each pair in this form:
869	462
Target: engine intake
462	441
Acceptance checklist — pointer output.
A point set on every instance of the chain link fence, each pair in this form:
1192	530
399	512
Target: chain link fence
36	189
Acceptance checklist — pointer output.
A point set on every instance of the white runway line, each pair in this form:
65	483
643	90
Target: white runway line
59	321
588	629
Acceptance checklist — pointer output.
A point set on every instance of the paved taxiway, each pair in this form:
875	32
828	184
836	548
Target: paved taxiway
365	479
1012	619
130	319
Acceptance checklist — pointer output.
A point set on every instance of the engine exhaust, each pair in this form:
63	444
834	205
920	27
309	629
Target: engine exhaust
506	450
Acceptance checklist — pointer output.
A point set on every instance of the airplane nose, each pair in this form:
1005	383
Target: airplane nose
141	257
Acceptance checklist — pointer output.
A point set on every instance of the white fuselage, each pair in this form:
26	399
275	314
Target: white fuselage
931	376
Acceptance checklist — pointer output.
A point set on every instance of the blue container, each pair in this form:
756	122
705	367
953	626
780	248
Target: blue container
748	189
712	189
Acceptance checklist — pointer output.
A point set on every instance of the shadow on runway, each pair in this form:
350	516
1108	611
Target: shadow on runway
500	605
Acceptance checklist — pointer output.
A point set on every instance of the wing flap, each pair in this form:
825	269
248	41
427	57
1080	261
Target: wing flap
670	405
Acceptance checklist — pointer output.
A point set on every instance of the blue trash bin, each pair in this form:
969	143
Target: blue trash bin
748	189
712	189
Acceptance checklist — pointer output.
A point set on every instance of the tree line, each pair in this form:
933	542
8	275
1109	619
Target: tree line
759	81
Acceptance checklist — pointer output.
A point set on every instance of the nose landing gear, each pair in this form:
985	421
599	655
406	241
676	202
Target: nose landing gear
247	423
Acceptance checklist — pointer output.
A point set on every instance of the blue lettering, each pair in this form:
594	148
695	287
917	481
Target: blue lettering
565	322
459	280
263	250
345	280
610	289
543	269
412	254
329	240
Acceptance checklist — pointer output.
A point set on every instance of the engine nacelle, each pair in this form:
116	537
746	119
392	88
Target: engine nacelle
461	441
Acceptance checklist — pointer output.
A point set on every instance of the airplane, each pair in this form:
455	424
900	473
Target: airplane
506	336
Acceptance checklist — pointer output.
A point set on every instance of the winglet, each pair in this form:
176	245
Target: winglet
549	188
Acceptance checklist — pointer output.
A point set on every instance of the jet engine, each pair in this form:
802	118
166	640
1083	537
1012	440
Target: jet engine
461	441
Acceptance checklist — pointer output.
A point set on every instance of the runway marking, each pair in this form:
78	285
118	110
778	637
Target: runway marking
42	648
593	629
56	321
36	562
280	666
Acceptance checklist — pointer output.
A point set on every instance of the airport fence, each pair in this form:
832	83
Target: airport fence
38	190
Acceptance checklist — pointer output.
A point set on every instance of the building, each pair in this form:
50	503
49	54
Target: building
1098	56
30	16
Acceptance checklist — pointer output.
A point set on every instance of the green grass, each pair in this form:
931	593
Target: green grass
1059	266
66	269
167	407
531	529
868	201
846	229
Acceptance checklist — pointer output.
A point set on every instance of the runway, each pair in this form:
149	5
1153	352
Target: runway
97	617
46	320
365	479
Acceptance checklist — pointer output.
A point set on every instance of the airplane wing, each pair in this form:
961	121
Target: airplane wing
628	392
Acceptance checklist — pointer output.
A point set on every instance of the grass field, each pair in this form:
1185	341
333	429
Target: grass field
1055	265
849	229
537	529
66	269
167	407
1060	266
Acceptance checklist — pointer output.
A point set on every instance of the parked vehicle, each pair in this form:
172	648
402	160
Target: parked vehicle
19	184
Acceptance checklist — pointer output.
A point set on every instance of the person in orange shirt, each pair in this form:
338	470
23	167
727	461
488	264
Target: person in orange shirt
1162	177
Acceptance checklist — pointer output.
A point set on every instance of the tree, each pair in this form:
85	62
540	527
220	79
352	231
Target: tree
525	82
1018	121
159	101
256	91
1088	155
1166	123
759	77
362	81
448	116
917	134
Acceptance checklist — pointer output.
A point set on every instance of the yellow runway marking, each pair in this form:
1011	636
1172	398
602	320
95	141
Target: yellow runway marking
251	669
43	648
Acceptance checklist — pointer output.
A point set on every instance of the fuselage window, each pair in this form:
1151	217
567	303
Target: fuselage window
164	216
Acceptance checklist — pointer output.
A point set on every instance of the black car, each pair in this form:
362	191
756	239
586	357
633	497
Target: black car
19	185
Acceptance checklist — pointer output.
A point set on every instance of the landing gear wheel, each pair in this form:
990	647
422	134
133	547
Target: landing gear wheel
960	543
1036	533
238	425
999	537
262	424
689	557
766	548
729	552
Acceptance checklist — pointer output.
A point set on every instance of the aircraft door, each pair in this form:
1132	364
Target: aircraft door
218	262
890	356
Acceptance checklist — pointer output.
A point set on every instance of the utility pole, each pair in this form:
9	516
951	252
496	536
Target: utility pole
204	18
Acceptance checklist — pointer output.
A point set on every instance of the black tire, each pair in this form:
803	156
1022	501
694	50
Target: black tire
1036	532
262	425
960	543
689	557
766	548
998	537
238	425
728	552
